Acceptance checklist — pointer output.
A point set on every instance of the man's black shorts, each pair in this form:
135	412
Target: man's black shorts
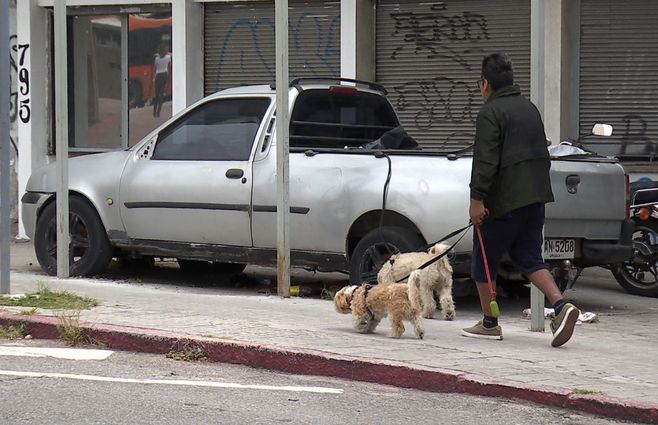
519	234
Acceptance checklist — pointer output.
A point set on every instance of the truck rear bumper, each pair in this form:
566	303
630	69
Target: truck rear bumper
600	253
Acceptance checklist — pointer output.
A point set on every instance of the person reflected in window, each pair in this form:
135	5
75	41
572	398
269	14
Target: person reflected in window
161	70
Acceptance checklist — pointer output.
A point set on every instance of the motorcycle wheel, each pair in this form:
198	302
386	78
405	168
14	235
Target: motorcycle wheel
639	274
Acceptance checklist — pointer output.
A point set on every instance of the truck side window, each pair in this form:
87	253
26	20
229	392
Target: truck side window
325	119
220	130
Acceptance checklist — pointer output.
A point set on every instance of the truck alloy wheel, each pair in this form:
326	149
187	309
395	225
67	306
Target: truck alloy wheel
376	247
89	249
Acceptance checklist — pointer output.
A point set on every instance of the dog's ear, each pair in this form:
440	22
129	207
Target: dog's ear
439	248
343	299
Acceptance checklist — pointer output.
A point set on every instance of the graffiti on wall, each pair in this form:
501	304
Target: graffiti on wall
435	32
20	97
635	133
445	101
248	40
437	101
14	111
13	95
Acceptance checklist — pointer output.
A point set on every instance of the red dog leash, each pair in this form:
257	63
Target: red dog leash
495	310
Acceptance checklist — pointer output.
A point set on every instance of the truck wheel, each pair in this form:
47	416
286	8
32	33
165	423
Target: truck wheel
89	251
372	252
639	275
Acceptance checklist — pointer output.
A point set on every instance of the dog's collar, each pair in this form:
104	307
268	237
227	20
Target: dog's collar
368	287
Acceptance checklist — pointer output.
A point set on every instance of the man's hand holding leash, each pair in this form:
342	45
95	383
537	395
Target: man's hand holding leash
477	212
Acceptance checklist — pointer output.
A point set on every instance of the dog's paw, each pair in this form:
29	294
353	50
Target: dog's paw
450	315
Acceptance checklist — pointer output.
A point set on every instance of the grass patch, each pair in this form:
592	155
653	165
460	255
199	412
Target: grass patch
187	353
13	332
49	299
586	391
327	294
31	312
69	329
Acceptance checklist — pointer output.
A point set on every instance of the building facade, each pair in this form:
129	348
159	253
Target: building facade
134	63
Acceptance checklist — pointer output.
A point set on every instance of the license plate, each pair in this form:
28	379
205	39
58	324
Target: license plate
559	249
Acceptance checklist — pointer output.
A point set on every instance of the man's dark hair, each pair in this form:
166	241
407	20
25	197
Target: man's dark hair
497	69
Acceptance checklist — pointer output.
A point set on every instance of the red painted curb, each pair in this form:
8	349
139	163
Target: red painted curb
309	362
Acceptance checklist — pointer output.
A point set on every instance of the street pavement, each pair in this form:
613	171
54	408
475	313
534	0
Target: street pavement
609	367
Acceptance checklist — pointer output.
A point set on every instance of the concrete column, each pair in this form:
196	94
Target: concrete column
546	63
357	39
33	133
187	54
570	69
348	38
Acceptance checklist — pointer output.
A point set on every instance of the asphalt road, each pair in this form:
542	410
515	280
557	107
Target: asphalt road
128	388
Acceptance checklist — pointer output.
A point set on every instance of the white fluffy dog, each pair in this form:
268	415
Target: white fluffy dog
435	278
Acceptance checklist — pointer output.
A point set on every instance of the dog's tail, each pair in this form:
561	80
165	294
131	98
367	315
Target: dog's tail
414	290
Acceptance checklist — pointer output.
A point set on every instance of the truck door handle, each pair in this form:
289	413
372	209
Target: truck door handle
234	173
572	181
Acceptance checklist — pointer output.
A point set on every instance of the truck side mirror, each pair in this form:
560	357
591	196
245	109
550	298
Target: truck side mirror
602	130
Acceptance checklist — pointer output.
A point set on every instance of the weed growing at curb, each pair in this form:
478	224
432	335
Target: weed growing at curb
47	298
327	294
69	328
31	312
586	391
187	353
13	332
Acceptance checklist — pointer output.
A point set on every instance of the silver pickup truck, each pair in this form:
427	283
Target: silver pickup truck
201	188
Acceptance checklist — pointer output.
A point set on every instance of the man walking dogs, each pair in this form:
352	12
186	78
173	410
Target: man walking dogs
510	184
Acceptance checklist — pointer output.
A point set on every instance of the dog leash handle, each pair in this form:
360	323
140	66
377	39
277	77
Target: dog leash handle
495	310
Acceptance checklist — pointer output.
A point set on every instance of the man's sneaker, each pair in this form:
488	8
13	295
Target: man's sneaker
479	331
564	324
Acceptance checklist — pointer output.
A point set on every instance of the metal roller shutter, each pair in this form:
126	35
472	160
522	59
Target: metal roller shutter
619	75
429	56
239	42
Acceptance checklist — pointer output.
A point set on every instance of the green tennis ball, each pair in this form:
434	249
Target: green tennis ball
495	311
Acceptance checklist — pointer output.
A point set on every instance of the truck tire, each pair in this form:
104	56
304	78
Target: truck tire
639	275
90	250
371	252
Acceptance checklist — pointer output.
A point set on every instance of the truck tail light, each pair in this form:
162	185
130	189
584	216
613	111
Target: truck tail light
343	90
628	196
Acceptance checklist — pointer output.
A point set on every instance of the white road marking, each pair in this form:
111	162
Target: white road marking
210	384
60	353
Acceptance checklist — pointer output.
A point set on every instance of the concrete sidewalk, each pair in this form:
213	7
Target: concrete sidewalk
608	367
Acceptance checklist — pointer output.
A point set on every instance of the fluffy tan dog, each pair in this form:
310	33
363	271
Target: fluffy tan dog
370	304
433	279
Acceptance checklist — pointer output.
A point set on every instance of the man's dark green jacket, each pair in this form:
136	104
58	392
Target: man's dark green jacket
511	163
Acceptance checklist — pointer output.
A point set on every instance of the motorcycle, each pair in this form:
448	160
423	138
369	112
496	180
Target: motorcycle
639	274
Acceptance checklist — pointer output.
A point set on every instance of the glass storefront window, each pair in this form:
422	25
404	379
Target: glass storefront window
95	81
120	79
149	69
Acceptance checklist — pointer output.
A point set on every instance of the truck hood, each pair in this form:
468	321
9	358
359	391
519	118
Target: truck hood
84	171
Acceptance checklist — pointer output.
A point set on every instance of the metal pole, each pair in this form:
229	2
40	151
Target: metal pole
282	150
62	140
5	146
537	91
